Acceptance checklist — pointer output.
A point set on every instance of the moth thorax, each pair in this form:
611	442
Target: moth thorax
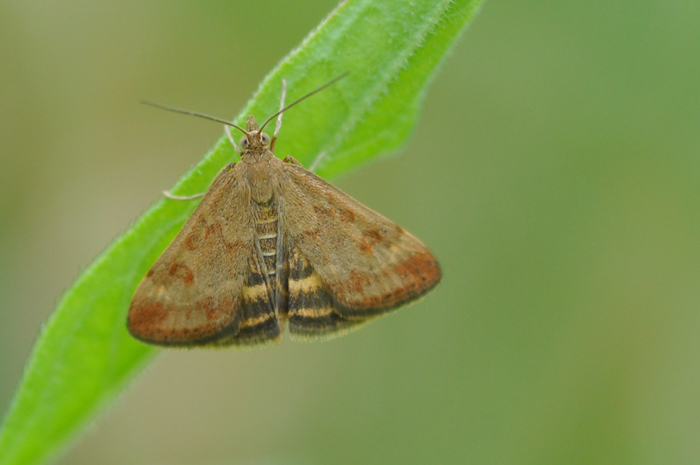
259	178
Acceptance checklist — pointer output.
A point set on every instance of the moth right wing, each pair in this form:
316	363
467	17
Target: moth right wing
349	264
203	289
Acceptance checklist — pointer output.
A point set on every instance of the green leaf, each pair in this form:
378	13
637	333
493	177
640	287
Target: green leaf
84	357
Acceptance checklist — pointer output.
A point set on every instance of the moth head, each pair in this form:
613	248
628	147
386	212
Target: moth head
255	139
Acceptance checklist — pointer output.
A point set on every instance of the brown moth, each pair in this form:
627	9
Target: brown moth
272	244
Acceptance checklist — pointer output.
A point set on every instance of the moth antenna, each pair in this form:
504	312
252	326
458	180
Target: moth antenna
192	113
326	85
278	124
182	197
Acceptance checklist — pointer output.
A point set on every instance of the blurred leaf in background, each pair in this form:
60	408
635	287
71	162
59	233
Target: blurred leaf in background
554	172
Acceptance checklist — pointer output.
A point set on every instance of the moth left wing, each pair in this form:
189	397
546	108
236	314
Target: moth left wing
206	288
360	263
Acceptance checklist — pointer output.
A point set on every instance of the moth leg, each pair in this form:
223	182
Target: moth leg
230	138
278	124
317	161
182	197
195	196
292	161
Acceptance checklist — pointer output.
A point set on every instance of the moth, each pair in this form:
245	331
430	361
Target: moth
272	245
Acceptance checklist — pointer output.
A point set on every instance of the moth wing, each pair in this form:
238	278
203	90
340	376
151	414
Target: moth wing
360	263
194	293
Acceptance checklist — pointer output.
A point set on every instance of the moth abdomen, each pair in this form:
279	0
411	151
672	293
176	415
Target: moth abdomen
266	226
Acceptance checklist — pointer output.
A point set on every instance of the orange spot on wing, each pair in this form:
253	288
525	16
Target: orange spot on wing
192	241
419	274
420	267
324	211
210	309
370	239
182	272
313	235
145	316
375	235
357	282
347	216
230	246
213	229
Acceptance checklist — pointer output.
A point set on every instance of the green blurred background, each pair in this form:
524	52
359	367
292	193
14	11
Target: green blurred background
555	172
